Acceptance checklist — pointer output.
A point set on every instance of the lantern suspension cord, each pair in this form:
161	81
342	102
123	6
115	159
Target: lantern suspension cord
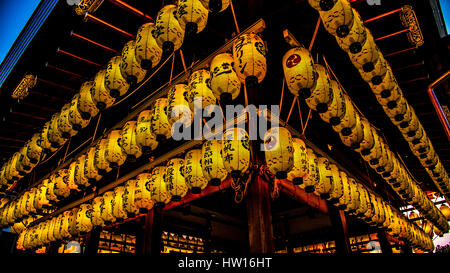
184	64
67	149
245	95
52	155
81	145
171	69
300	113
282	93
234	17
290	111
316	30
96	127
144	82
307	120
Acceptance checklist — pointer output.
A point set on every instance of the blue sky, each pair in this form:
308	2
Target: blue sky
14	15
445	7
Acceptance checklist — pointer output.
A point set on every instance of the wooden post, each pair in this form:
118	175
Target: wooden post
340	230
386	247
152	232
259	217
92	241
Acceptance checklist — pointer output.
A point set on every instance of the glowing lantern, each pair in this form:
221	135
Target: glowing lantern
118	207
128	198
50	195
355	135
75	117
101	95
313	177
114	153
81	180
322	4
73	231
100	161
61	189
34	151
326	183
106	209
54	135
321	95
356	37
145	138
44	142
369	54
64	222
193	172
236	151
30	201
363	205
115	82
88	167
225	83
83	220
212	162
300	72
396	109
142	196
88	108
41	201
216	6
128	141
387	84
64	124
97	207
279	151
339	19
23	164
168	33
177	106
389	96
174	179
148	53
409	122
73	187
159	122
445	211
348	121
375	152
192	16
249	53
376	75
335	111
130	68
300	168
344	200
337	190
199	91
157	188
354	196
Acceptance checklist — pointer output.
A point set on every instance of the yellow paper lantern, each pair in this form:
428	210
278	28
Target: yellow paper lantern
88	108
225	83
369	54
80	178
129	198
363	204
97	207
30	201
142	197
356	37
212	162
75	118
174	179
279	152
313	177
157	188
100	95
73	187
216	6
199	93
236	151
355	135
23	164
51	196
348	121
300	168
193	172
177	106
54	135
88	168
445	211
128	141
11	173
63	225
376	74
148	53
249	54
396	109
130	68
321	95
337	190
115	82
100	161
64	124
344	200
388	83
354	196
114	153
106	209
44	142
168	33
145	138
326	182
322	4
339	19
192	16
334	112
83	220
34	151
301	74
73	231
409	122
41	201
118	207
159	122
61	189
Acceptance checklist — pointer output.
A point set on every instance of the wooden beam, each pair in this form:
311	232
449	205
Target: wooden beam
340	230
300	195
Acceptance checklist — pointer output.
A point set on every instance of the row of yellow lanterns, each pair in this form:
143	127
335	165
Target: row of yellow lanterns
428	227
313	83
345	23
130	67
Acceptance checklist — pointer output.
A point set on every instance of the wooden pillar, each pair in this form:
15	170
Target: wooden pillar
340	230
259	217
92	241
152	232
386	247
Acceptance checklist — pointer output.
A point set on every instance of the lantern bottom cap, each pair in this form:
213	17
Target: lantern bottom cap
101	105
196	190
281	175
215	182
297	181
146	64
309	189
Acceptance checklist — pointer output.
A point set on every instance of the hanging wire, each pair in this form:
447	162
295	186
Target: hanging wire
300	113
282	93
67	149
292	107
96	127
316	30
171	69
234	17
